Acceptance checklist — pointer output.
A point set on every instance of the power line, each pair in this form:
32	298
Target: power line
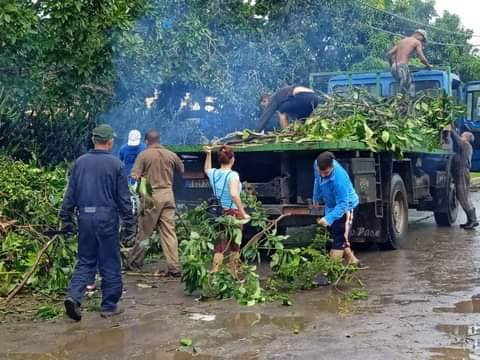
418	22
429	42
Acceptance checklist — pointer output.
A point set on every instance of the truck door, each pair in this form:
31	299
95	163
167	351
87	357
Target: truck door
472	119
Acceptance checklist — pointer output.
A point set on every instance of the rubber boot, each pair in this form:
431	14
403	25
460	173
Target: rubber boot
469	217
72	308
234	263
472	220
350	257
336	254
217	262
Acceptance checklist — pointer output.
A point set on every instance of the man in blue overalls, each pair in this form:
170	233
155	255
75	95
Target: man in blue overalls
98	191
333	187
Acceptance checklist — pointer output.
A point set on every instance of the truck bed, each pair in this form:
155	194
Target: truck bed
292	146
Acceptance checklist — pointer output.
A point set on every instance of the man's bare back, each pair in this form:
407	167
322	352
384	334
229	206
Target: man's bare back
399	56
402	52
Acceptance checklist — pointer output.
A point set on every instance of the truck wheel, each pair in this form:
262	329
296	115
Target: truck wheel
398	214
448	218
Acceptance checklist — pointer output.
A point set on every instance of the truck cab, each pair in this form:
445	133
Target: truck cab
471	122
383	84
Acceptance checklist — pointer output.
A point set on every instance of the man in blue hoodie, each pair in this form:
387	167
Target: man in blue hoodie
333	187
130	151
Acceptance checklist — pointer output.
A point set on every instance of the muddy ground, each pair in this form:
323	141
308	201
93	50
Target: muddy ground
421	305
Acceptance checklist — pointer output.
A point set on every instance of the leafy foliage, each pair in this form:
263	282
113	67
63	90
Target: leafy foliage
48	312
382	124
291	269
198	236
395	124
31	196
57	66
359	294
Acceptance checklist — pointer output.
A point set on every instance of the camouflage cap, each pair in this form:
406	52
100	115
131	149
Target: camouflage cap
423	33
103	132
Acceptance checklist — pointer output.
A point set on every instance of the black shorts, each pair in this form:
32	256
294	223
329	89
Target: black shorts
337	232
300	106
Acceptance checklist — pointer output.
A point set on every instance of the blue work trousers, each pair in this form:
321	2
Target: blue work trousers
98	244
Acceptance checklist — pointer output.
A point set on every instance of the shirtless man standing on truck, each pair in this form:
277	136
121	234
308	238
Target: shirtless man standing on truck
400	54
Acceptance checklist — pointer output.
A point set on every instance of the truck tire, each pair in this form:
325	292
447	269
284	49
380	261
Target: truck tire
448	219
397	214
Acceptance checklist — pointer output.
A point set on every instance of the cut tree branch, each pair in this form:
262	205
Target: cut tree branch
20	286
274	223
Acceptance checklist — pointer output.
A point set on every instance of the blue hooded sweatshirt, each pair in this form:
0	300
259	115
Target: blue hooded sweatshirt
335	191
128	155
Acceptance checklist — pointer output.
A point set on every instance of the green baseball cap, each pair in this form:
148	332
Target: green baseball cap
103	132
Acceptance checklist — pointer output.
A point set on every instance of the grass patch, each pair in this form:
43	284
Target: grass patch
48	312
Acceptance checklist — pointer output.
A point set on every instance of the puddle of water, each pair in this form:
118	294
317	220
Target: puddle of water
117	340
408	302
462	307
450	353
105	341
465	336
242	323
460	330
331	305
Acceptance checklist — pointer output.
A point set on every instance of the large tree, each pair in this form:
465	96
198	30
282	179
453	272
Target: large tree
69	64
57	70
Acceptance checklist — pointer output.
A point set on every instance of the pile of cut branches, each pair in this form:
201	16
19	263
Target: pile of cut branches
30	199
396	124
290	269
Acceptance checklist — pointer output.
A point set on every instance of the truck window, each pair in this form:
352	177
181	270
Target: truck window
457	91
473	105
457	95
431	87
344	89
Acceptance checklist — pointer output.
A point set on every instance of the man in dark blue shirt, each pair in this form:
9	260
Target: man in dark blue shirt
98	192
130	151
291	102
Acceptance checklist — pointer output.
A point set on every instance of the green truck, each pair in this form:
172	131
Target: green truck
281	176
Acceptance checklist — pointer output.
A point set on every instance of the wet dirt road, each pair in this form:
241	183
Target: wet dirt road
421	305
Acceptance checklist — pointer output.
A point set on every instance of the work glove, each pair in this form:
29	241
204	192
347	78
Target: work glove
67	228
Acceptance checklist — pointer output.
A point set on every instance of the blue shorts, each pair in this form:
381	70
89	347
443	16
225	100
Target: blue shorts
340	232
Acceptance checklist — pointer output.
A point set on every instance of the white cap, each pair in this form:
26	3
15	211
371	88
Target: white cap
134	138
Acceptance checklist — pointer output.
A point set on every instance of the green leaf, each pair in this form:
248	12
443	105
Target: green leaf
359	294
47	312
385	136
286	302
186	342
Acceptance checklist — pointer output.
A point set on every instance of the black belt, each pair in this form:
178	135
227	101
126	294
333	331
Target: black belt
94	209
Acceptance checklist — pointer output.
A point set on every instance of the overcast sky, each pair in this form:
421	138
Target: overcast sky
468	10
